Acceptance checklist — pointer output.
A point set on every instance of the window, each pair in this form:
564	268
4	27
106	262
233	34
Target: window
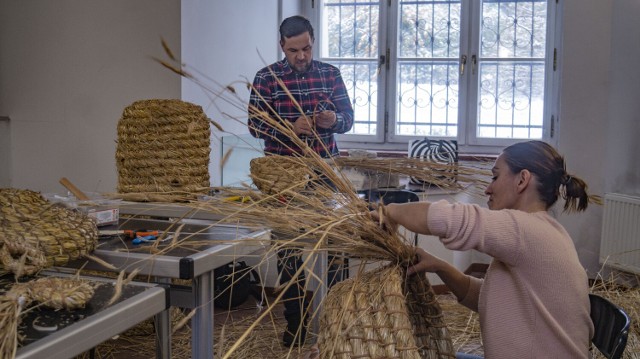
479	71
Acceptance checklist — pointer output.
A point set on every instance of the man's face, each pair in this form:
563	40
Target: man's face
298	51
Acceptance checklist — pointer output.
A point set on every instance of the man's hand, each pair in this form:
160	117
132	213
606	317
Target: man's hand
325	119
302	126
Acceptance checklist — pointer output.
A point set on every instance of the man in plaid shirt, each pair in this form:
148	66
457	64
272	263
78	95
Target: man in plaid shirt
321	108
317	87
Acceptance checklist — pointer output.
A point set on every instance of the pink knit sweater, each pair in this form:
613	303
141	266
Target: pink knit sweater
533	302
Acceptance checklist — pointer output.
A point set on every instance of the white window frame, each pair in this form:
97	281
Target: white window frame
468	142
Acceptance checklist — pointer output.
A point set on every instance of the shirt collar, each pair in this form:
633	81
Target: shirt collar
286	68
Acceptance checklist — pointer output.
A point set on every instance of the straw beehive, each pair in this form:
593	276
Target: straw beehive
35	234
381	314
163	148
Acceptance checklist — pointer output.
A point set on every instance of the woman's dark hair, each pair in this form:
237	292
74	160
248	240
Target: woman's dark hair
294	26
549	167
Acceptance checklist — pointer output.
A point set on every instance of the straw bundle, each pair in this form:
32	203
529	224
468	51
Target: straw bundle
277	174
35	234
373	318
163	147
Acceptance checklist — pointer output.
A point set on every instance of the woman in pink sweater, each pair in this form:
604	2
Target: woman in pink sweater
533	301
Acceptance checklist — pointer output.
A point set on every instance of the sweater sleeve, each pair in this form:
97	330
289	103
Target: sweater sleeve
463	227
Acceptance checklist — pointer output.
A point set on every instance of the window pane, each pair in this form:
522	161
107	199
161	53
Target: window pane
350	42
511	70
427	99
427	71
350	29
514	29
360	80
511	99
429	29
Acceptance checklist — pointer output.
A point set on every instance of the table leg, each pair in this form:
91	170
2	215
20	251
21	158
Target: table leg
202	321
320	269
163	334
163	325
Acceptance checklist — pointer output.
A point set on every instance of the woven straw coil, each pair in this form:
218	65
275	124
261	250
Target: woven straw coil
279	174
380	315
56	293
163	146
35	234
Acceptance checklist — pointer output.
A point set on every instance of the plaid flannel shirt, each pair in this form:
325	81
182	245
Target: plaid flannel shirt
320	88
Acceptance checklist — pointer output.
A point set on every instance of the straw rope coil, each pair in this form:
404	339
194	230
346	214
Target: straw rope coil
35	234
163	147
278	174
56	293
380	314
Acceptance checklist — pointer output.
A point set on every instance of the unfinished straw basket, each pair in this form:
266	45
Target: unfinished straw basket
35	233
381	314
163	147
279	174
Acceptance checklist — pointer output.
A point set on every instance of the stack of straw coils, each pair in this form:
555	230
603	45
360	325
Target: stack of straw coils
163	147
279	174
35	233
382	314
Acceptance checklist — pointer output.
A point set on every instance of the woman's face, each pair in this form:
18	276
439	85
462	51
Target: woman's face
503	189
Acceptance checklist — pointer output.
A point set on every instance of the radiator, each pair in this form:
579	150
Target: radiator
620	242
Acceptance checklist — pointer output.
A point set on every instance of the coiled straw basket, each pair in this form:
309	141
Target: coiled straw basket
382	314
36	234
163	150
279	174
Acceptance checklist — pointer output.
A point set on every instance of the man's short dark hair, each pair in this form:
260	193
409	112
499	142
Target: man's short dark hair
294	26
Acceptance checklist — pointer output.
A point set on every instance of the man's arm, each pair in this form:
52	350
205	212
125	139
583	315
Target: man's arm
260	108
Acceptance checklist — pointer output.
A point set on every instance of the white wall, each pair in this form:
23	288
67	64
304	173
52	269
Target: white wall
622	170
68	68
226	44
599	108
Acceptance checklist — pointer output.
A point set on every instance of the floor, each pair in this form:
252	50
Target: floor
264	341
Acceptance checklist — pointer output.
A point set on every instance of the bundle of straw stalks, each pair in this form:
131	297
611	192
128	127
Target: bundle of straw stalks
312	206
320	211
163	150
35	233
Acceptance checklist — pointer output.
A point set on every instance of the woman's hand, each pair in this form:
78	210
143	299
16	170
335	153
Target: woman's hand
425	262
381	214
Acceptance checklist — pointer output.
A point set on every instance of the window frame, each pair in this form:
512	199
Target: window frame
468	142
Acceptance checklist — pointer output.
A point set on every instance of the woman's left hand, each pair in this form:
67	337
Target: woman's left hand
425	262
